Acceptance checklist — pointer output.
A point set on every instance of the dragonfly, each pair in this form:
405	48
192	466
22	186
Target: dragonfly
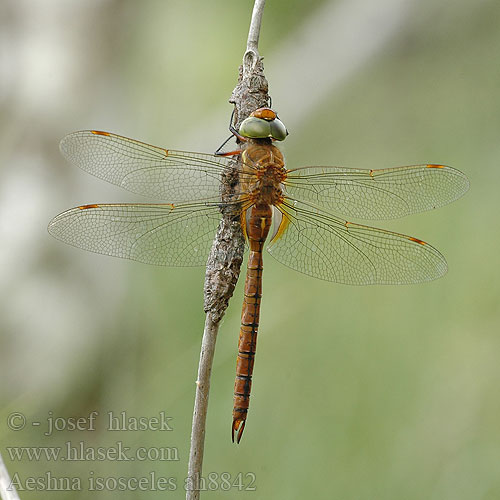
302	216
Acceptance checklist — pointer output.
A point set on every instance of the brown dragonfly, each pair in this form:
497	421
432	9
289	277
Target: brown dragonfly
291	209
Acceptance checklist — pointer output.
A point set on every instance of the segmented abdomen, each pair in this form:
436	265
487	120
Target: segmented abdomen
257	230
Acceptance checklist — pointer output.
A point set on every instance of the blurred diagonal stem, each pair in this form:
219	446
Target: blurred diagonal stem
226	255
7	491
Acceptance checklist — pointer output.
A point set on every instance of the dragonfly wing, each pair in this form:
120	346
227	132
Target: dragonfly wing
164	174
169	235
377	194
332	249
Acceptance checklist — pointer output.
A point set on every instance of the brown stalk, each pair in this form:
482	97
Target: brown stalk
226	255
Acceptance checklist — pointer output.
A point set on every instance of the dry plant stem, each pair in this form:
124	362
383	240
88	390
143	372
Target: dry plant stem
226	255
5	492
254	32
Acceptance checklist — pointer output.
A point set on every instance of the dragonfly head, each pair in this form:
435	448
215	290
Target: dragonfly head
263	123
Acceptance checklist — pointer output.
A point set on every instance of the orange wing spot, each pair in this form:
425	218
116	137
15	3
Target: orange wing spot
171	205
166	151
416	240
86	207
346	224
264	113
431	165
371	173
99	132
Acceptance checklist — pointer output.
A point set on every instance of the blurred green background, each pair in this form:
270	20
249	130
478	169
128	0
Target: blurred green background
359	392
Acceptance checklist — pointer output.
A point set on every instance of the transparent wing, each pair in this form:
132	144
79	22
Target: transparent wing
164	174
332	249
169	235
377	194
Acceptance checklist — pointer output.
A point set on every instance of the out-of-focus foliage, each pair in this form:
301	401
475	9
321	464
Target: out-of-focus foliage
359	393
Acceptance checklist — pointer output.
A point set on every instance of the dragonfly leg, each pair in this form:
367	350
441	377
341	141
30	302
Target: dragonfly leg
233	130
222	153
234	133
237	134
229	153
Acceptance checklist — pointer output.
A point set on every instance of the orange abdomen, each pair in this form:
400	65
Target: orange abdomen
257	231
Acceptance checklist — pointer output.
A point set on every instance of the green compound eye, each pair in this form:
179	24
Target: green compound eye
278	130
258	128
255	128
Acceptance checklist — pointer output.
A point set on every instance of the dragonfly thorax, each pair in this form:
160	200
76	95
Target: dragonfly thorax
266	166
